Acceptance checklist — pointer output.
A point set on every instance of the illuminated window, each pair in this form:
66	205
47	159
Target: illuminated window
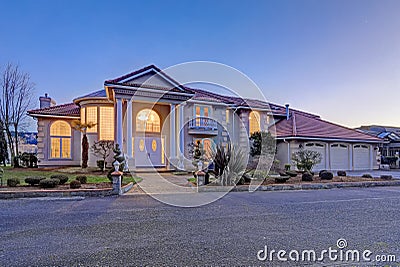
202	112
148	120
60	137
106	126
254	122
83	115
91	116
207	145
227	116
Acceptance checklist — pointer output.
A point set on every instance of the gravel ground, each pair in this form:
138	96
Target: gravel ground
139	231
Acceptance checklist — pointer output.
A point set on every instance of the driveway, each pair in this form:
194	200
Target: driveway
140	231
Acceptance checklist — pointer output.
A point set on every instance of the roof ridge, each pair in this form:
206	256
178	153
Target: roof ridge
123	77
52	107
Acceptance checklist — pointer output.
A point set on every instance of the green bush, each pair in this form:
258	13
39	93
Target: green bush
287	167
307	177
63	178
366	175
81	178
321	172
100	164
326	176
33	180
49	183
386	177
12	182
75	184
341	173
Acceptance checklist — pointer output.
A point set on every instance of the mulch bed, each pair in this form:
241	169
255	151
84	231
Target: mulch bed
103	185
317	179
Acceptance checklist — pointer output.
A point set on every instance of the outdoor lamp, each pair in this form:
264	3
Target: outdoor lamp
116	165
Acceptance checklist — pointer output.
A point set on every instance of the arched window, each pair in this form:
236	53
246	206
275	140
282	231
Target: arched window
60	138
148	120
254	122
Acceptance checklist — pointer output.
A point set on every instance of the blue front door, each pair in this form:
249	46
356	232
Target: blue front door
148	152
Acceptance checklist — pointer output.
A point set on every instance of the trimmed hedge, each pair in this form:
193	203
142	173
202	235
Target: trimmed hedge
75	184
307	177
49	183
291	173
341	173
326	176
63	178
13	182
366	175
386	177
321	172
81	178
33	180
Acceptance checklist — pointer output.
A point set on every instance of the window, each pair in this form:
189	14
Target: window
60	138
106	123
207	145
254	122
227	116
83	115
91	116
148	120
201	112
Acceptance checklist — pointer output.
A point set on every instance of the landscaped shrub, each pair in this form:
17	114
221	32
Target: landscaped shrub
307	177
366	175
341	173
81	178
326	176
49	183
75	184
33	180
386	177
63	178
287	167
281	179
291	173
321	172
12	182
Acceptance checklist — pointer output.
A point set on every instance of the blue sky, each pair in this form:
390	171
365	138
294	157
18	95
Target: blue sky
339	59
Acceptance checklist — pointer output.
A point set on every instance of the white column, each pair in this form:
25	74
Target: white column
181	138
371	157
129	128
172	126
351	157
119	123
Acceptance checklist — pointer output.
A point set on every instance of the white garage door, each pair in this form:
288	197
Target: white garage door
321	149
361	157
339	157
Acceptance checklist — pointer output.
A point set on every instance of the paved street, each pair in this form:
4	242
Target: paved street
138	231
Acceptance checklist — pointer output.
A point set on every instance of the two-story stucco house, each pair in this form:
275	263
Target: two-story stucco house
155	119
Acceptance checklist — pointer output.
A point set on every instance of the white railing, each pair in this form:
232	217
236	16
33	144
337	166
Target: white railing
203	123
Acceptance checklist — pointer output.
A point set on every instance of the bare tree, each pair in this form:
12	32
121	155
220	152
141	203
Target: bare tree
16	98
103	149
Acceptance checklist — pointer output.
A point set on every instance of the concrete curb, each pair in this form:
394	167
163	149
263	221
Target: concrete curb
63	193
286	187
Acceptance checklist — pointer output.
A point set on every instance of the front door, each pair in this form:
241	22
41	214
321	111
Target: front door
148	151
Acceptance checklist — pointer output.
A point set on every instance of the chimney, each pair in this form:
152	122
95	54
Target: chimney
287	111
46	101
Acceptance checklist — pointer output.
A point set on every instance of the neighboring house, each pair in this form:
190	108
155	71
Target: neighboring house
155	119
391	136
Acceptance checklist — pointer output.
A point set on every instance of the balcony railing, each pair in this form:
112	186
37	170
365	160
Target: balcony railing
203	123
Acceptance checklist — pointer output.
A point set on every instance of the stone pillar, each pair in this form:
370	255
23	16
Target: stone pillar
119	123
116	177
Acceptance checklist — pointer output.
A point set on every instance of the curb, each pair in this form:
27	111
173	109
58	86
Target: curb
291	187
63	193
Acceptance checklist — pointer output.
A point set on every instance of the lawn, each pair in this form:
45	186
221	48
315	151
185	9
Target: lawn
93	175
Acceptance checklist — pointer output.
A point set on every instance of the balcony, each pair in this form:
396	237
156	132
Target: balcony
203	125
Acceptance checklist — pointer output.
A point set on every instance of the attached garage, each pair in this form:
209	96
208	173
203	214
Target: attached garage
361	157
339	156
320	148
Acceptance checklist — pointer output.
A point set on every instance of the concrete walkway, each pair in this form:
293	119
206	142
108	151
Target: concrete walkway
162	183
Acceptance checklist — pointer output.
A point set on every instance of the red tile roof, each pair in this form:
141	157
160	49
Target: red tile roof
301	126
69	109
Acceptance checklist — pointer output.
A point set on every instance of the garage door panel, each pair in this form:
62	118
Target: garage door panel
339	156
320	148
361	157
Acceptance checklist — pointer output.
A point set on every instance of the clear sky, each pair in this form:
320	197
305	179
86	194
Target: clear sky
339	59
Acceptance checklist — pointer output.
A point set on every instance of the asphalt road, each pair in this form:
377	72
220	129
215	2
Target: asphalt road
139	231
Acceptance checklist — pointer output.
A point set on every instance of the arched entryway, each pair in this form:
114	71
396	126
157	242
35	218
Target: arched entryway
149	144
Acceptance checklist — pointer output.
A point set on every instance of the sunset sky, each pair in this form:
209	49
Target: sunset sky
339	59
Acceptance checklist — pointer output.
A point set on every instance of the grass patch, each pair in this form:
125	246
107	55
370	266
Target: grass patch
92	177
192	180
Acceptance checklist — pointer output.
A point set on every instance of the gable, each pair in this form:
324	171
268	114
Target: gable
150	78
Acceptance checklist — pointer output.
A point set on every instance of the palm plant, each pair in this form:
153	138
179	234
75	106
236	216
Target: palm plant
82	127
230	164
